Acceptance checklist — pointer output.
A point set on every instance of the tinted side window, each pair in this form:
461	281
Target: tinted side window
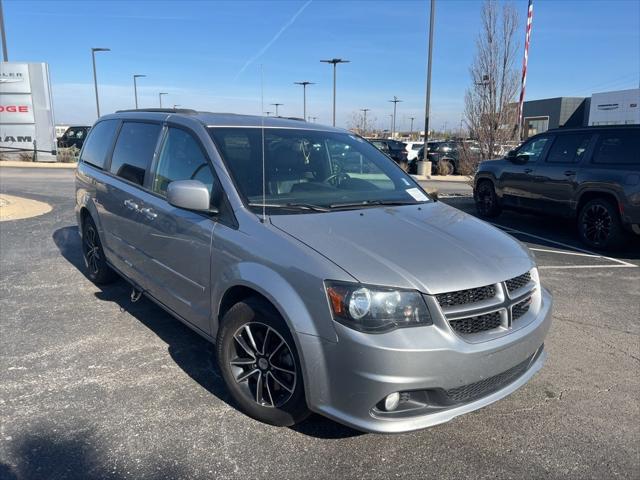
134	150
181	159
569	148
618	148
97	145
533	148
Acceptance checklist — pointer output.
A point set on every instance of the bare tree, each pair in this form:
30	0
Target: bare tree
490	110
356	123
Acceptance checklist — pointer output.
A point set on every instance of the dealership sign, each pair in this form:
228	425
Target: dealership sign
26	112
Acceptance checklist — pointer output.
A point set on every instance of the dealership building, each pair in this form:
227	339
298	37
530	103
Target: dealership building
620	107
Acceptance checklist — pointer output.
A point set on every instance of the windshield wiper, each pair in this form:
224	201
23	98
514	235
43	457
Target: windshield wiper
292	206
373	203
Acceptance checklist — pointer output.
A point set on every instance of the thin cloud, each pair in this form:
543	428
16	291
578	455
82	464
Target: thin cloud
274	39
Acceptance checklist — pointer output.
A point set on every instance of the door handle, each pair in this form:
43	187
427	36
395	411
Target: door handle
528	170
569	173
150	214
131	205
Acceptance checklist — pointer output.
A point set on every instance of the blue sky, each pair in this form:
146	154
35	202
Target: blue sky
207	54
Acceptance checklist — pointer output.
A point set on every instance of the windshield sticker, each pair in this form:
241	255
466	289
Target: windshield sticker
417	194
406	182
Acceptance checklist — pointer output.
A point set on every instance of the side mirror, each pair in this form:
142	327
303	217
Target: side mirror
511	154
189	194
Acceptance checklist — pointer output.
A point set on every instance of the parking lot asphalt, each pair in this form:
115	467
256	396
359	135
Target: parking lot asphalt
93	386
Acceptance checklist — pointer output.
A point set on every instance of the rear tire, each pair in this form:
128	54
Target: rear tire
599	224
260	365
95	261
487	203
446	167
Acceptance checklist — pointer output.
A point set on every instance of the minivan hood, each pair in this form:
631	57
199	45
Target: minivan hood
433	248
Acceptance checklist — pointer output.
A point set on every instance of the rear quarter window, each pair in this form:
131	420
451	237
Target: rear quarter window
618	148
97	145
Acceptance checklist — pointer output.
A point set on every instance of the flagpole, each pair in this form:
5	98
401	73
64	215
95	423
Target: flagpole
527	39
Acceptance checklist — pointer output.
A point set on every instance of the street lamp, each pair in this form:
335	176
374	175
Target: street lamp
313	119
411	130
268	113
304	96
393	125
95	78
160	97
277	105
334	62
135	88
364	120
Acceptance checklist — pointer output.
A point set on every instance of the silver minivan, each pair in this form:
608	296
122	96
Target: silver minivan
327	278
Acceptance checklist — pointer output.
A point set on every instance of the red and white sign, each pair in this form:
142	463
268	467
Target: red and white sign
16	108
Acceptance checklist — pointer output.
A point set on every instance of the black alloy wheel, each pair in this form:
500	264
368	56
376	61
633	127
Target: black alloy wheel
95	261
259	363
599	224
486	200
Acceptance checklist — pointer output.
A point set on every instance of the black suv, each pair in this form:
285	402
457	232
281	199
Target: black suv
73	137
592	174
445	156
393	148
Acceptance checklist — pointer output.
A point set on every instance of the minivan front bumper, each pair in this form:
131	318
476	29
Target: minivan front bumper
348	380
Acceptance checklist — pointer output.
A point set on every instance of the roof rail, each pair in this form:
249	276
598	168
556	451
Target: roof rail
292	118
159	110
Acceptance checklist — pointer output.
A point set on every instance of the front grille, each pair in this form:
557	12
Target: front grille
473	391
462	297
518	282
479	323
519	309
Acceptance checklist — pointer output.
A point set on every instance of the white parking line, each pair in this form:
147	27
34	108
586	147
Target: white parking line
621	263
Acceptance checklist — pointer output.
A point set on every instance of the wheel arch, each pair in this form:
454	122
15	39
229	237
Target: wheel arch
588	195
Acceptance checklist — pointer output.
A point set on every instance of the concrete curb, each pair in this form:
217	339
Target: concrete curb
442	178
18	208
19	164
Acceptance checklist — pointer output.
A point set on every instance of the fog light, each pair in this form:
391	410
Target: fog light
392	401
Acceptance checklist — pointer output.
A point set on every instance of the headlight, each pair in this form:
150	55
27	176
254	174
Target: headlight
376	309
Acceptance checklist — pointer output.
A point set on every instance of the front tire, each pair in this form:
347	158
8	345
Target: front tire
95	261
599	224
446	167
487	204
260	365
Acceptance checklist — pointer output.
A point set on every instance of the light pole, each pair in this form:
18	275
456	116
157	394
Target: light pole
5	54
364	120
176	105
95	78
411	130
160	97
268	113
393	125
304	96
430	55
314	119
277	105
135	88
334	62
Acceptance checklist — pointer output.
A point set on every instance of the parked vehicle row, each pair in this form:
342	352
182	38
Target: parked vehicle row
589	174
278	240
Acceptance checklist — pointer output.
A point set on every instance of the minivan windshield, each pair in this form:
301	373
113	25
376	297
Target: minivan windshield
311	170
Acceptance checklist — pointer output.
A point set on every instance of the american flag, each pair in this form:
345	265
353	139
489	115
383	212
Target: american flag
524	63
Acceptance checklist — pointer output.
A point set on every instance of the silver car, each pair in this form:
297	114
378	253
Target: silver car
327	278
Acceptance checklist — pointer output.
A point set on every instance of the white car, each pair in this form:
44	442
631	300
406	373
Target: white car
412	149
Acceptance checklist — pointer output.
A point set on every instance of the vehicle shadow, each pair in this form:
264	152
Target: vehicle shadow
191	352
43	451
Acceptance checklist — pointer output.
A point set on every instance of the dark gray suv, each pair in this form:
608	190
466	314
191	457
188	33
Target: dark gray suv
591	174
277	240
